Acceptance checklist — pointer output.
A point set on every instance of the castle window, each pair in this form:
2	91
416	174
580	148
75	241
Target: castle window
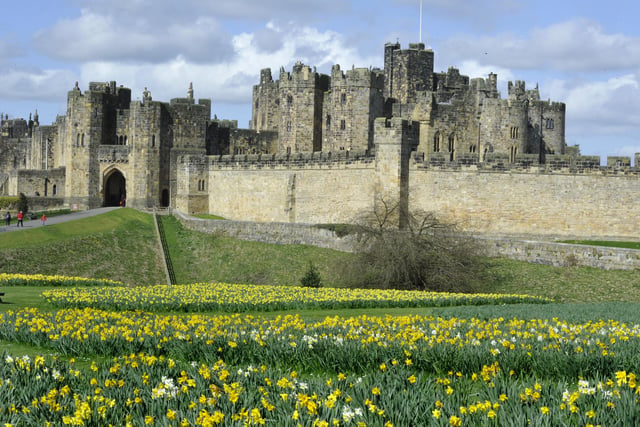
514	132
82	140
288	126
472	148
513	154
54	190
343	98
121	141
436	143
328	122
153	140
126	140
549	124
343	124
452	146
256	104
289	100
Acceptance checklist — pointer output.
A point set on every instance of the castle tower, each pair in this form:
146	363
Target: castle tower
91	122
407	71
395	138
301	95
351	105
265	115
547	124
149	155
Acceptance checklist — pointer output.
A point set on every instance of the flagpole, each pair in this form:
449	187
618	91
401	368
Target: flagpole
420	21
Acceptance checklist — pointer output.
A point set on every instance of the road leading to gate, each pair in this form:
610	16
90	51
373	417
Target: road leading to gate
34	223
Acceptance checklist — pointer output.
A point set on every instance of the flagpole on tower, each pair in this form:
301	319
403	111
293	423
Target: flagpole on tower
420	21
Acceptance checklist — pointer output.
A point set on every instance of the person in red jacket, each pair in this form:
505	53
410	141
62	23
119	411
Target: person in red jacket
43	218
20	216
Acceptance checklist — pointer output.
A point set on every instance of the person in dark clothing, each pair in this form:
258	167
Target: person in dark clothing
7	218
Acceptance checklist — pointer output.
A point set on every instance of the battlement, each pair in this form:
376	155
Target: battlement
516	89
553	106
488	86
359	77
322	160
303	75
528	163
265	76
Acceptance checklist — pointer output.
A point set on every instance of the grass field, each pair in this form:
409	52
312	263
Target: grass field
122	245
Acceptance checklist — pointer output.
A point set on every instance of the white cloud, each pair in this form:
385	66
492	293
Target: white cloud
47	85
230	81
575	45
92	37
608	106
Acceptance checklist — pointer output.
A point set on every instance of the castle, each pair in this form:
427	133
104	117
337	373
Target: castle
325	148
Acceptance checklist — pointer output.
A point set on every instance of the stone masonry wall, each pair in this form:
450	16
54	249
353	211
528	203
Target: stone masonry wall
541	252
300	188
596	204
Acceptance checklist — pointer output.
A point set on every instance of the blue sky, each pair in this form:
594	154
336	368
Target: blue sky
584	53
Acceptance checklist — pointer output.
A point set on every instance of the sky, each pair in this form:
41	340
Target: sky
584	53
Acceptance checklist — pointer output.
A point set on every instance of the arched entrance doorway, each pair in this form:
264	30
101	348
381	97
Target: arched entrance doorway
165	198
115	189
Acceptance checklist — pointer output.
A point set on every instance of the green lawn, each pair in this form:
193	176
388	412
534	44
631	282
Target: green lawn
118	245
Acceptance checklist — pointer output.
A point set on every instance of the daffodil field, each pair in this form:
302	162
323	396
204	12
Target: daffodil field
159	360
242	298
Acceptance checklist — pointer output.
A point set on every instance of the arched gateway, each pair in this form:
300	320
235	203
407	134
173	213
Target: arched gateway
115	188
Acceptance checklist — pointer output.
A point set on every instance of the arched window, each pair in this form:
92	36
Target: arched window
289	100
513	154
54	190
436	142
153	140
82	140
288	126
452	147
328	122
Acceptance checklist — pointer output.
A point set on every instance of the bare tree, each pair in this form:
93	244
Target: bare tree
425	254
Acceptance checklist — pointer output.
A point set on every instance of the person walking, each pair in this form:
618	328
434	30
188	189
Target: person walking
20	217
43	218
7	218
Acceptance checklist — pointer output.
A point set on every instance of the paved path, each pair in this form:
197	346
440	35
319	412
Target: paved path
33	223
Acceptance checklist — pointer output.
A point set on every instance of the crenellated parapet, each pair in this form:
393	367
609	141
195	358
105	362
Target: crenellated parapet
529	164
317	160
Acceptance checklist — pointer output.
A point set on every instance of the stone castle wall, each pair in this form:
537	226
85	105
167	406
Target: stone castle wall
310	188
602	203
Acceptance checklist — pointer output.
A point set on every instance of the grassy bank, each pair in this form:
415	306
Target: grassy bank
118	245
200	257
122	245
